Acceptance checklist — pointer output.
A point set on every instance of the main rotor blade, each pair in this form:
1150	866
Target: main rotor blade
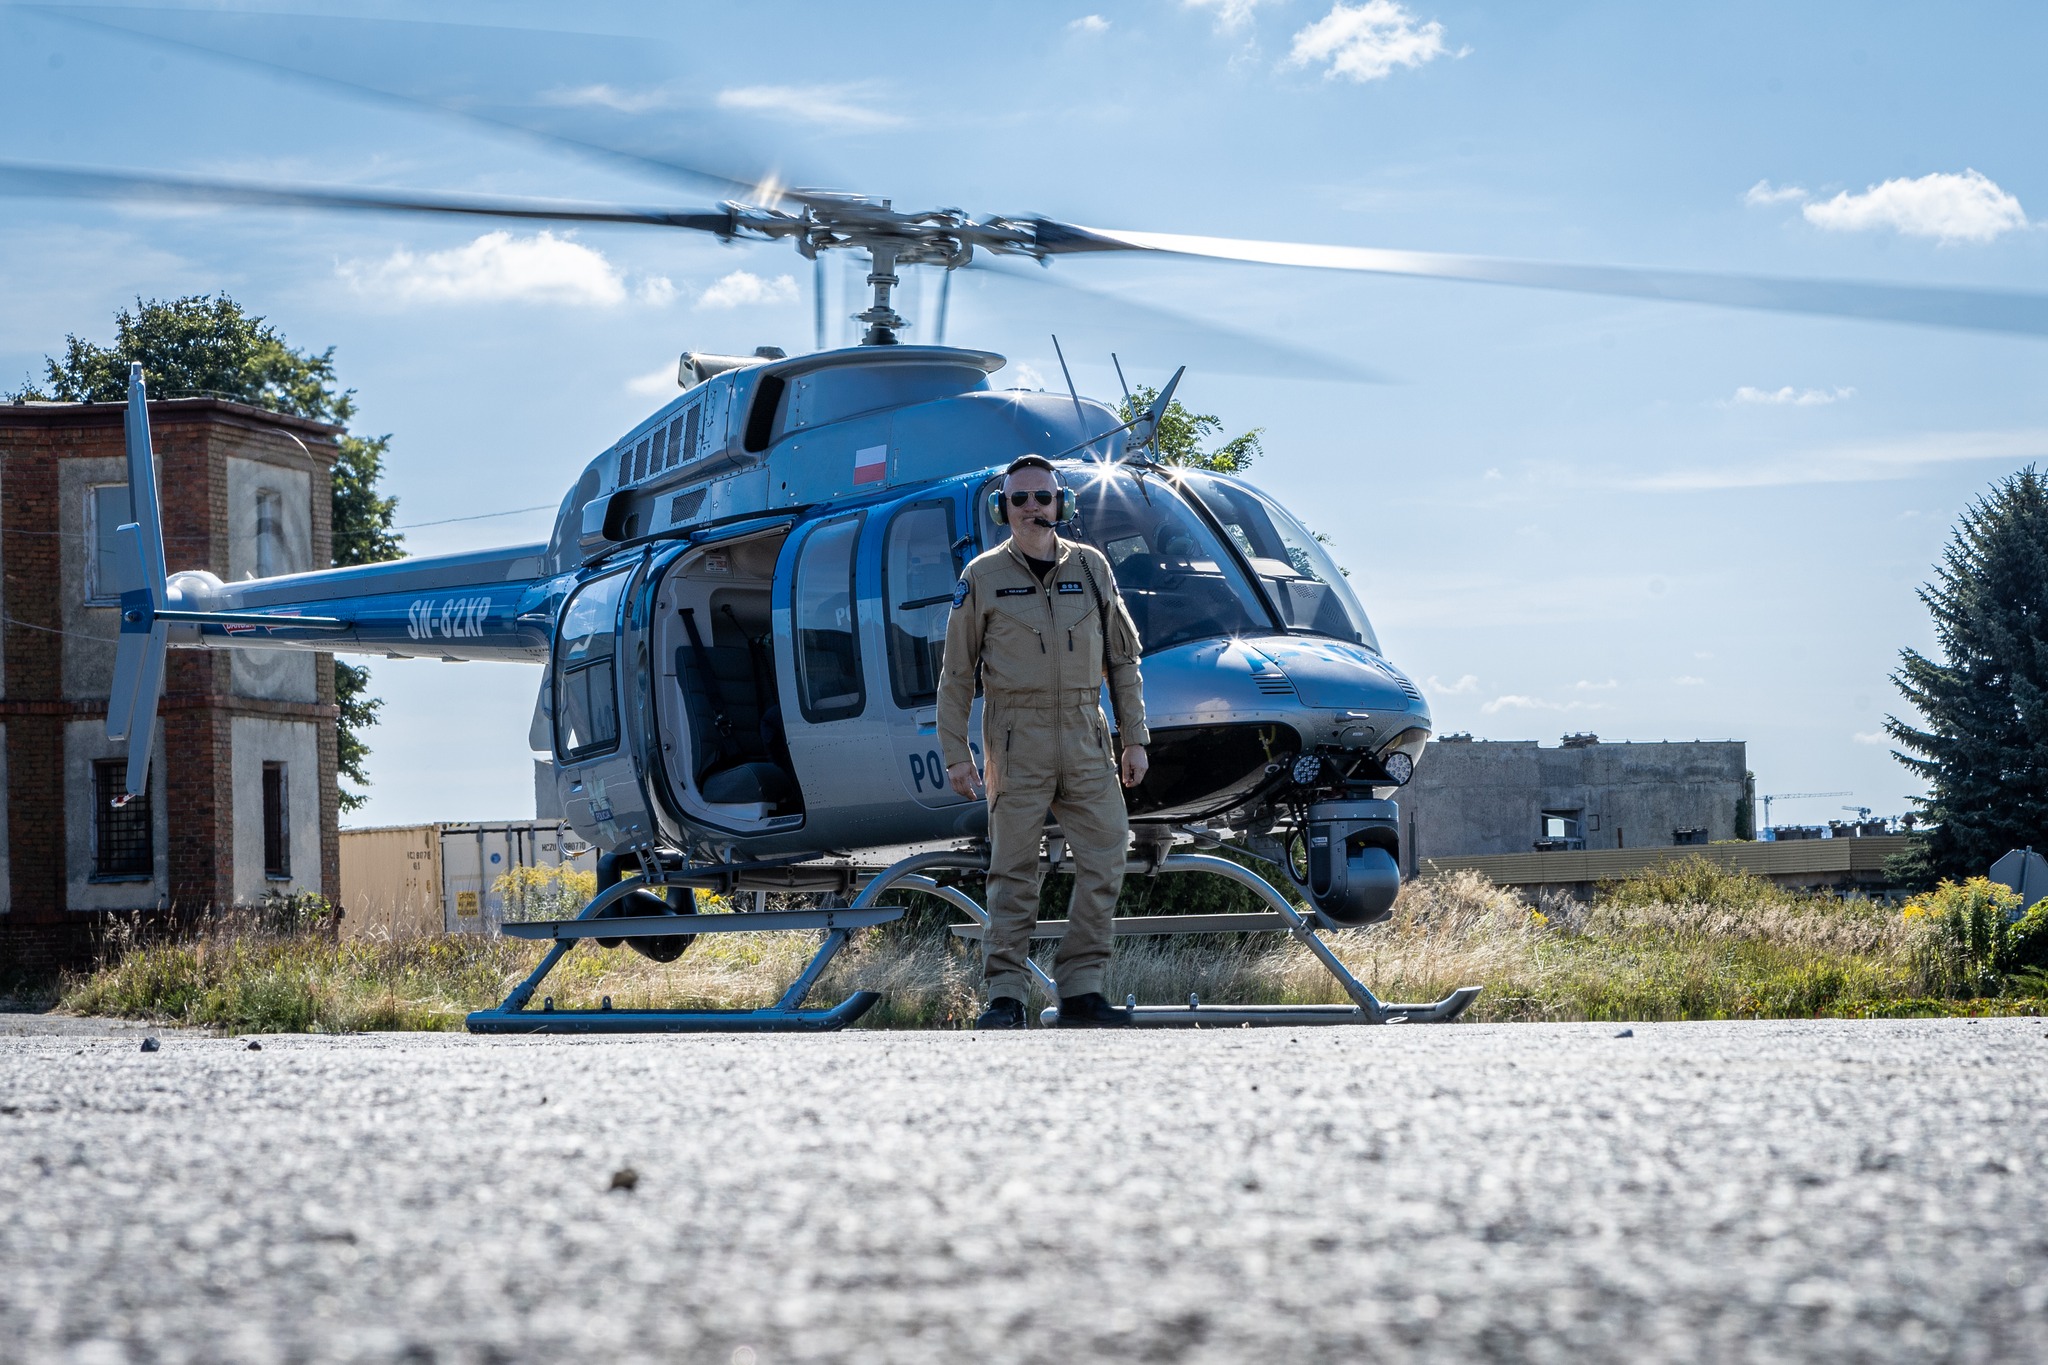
1977	310
393	60
30	181
1170	334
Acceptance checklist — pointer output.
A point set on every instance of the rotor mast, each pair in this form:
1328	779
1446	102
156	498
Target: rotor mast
833	221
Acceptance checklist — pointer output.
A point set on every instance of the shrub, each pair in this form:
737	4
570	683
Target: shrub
1965	937
1692	880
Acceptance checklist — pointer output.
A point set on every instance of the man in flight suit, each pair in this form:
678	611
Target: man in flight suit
1031	616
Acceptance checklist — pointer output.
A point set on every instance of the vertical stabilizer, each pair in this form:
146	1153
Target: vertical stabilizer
139	566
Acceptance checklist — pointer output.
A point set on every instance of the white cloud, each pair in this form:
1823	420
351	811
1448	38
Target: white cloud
657	290
655	383
1230	14
1763	193
1951	208
1585	686
1802	398
495	267
1870	463
1871	737
1366	42
1688	680
1521	703
1463	687
1089	25
603	96
743	289
1492	476
831	104
1025	375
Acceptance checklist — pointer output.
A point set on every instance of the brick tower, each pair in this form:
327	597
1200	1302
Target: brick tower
242	797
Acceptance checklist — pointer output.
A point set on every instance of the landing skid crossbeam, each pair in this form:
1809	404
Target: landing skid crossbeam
1365	1007
786	1015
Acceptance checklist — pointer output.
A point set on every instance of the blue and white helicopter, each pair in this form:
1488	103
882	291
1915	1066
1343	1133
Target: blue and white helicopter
740	612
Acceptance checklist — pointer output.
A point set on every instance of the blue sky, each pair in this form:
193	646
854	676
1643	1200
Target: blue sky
1564	513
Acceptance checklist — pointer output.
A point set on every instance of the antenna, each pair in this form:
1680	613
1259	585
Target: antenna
1123	384
1145	429
1080	420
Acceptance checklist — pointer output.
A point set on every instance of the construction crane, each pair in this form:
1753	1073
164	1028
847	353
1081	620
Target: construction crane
1795	796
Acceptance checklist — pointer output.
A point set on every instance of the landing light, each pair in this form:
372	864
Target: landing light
1400	768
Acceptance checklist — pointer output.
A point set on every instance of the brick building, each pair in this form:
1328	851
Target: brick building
242	797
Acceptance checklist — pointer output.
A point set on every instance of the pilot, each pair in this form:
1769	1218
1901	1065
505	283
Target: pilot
1030	617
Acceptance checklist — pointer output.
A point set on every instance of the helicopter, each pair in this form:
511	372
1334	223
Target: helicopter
740	611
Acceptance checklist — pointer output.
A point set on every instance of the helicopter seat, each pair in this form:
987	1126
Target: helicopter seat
731	727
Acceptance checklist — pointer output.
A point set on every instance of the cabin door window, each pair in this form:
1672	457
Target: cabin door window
586	679
827	632
918	574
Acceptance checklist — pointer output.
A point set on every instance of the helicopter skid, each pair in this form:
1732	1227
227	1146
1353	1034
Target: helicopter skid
773	1020
784	1016
1196	1015
1281	917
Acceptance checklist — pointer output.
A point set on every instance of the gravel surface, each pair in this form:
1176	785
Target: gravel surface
1766	1192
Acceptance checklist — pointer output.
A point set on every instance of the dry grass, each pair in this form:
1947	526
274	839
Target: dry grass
1689	944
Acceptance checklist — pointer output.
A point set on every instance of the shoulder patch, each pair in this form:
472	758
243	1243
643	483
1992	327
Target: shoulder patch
959	594
1070	585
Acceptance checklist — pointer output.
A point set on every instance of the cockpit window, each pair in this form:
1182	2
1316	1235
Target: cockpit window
1301	578
1177	579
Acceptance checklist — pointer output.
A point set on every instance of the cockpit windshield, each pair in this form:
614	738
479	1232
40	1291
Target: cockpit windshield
1178	581
1301	578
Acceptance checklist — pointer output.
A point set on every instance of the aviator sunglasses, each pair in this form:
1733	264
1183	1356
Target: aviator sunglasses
1043	496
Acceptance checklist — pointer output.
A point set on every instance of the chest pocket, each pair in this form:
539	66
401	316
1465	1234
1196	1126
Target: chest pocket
1016	634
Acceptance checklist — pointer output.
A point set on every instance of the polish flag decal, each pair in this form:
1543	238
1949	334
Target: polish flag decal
871	465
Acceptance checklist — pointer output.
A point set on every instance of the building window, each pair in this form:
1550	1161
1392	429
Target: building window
1561	831
124	841
106	509
277	824
270	549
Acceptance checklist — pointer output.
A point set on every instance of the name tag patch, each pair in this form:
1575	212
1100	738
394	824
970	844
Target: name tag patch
1070	587
1015	592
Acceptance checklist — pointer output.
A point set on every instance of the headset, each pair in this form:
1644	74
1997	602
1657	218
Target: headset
1063	502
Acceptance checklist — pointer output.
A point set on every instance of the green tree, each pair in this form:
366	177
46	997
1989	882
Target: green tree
1982	747
206	345
1181	433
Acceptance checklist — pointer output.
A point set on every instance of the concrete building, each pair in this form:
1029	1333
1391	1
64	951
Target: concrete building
242	798
1473	797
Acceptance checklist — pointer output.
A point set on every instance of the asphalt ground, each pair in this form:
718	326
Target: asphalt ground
1756	1191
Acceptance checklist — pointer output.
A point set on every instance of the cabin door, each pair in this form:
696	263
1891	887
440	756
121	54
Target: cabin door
595	776
921	561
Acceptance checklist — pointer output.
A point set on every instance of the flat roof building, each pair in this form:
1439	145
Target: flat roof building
1474	797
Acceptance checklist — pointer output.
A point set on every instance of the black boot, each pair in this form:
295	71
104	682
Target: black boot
1002	1012
1091	1011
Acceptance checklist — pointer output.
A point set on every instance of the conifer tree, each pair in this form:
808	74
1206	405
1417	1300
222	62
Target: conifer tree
1982	745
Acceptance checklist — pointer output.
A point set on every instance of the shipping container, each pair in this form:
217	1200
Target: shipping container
431	879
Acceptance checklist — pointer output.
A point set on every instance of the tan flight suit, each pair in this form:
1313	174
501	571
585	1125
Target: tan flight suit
1038	646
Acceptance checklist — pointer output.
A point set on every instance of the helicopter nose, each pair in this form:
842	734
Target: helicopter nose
1339	676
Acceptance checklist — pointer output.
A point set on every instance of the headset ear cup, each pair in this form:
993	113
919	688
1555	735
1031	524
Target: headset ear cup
995	508
1066	505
